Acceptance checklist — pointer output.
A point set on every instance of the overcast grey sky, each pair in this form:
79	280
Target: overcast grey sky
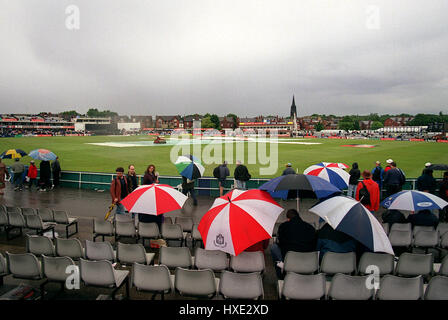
242	56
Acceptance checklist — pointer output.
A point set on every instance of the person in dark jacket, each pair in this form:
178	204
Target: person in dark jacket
241	175
132	178
378	175
332	240
45	175
443	193
288	170
423	218
56	170
222	174
293	235
150	178
394	180
188	187
119	190
426	182
393	216
355	174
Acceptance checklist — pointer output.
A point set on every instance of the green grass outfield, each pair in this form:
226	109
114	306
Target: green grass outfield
76	155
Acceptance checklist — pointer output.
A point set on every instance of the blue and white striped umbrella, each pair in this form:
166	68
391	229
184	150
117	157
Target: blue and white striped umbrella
351	217
412	200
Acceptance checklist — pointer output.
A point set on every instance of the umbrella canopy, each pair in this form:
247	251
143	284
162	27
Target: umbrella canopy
412	200
305	184
13	154
189	167
238	220
333	165
438	167
334	175
42	154
154	199
351	217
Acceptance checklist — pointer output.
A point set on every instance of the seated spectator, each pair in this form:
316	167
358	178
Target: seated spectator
148	218
393	216
332	240
423	218
293	235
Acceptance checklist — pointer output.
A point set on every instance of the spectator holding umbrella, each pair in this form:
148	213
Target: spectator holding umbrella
423	218
150	178
188	187
332	240
368	192
355	174
45	175
56	170
119	190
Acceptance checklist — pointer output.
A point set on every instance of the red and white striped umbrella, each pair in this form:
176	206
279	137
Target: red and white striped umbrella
154	199
238	220
334	165
334	175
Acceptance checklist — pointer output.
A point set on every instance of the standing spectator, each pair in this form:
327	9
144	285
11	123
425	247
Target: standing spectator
288	170
56	170
45	175
426	182
427	165
443	193
355	174
332	240
388	167
119	190
370	198
394	180
378	174
221	173
18	169
188	187
293	235
132	178
241	175
150	176
32	175
4	174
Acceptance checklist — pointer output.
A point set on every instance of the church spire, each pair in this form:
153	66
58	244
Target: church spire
293	108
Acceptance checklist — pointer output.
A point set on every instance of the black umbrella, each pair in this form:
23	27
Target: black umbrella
438	167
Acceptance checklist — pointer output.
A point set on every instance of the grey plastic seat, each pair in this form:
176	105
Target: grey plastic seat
28	211
15	221
426	239
195	283
10	209
444	241
34	222
168	220
248	262
173	257
196	235
62	217
46	214
442	228
345	287
102	274
3	268
99	251
24	266
443	271
54	270
401	227
211	259
400	238
421	228
39	245
399	288
69	248
3	219
130	253
172	232
302	287
413	264
386	227
437	288
125	229
148	231
102	228
384	261
154	279
334	262
234	285
302	262
275	230
185	222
